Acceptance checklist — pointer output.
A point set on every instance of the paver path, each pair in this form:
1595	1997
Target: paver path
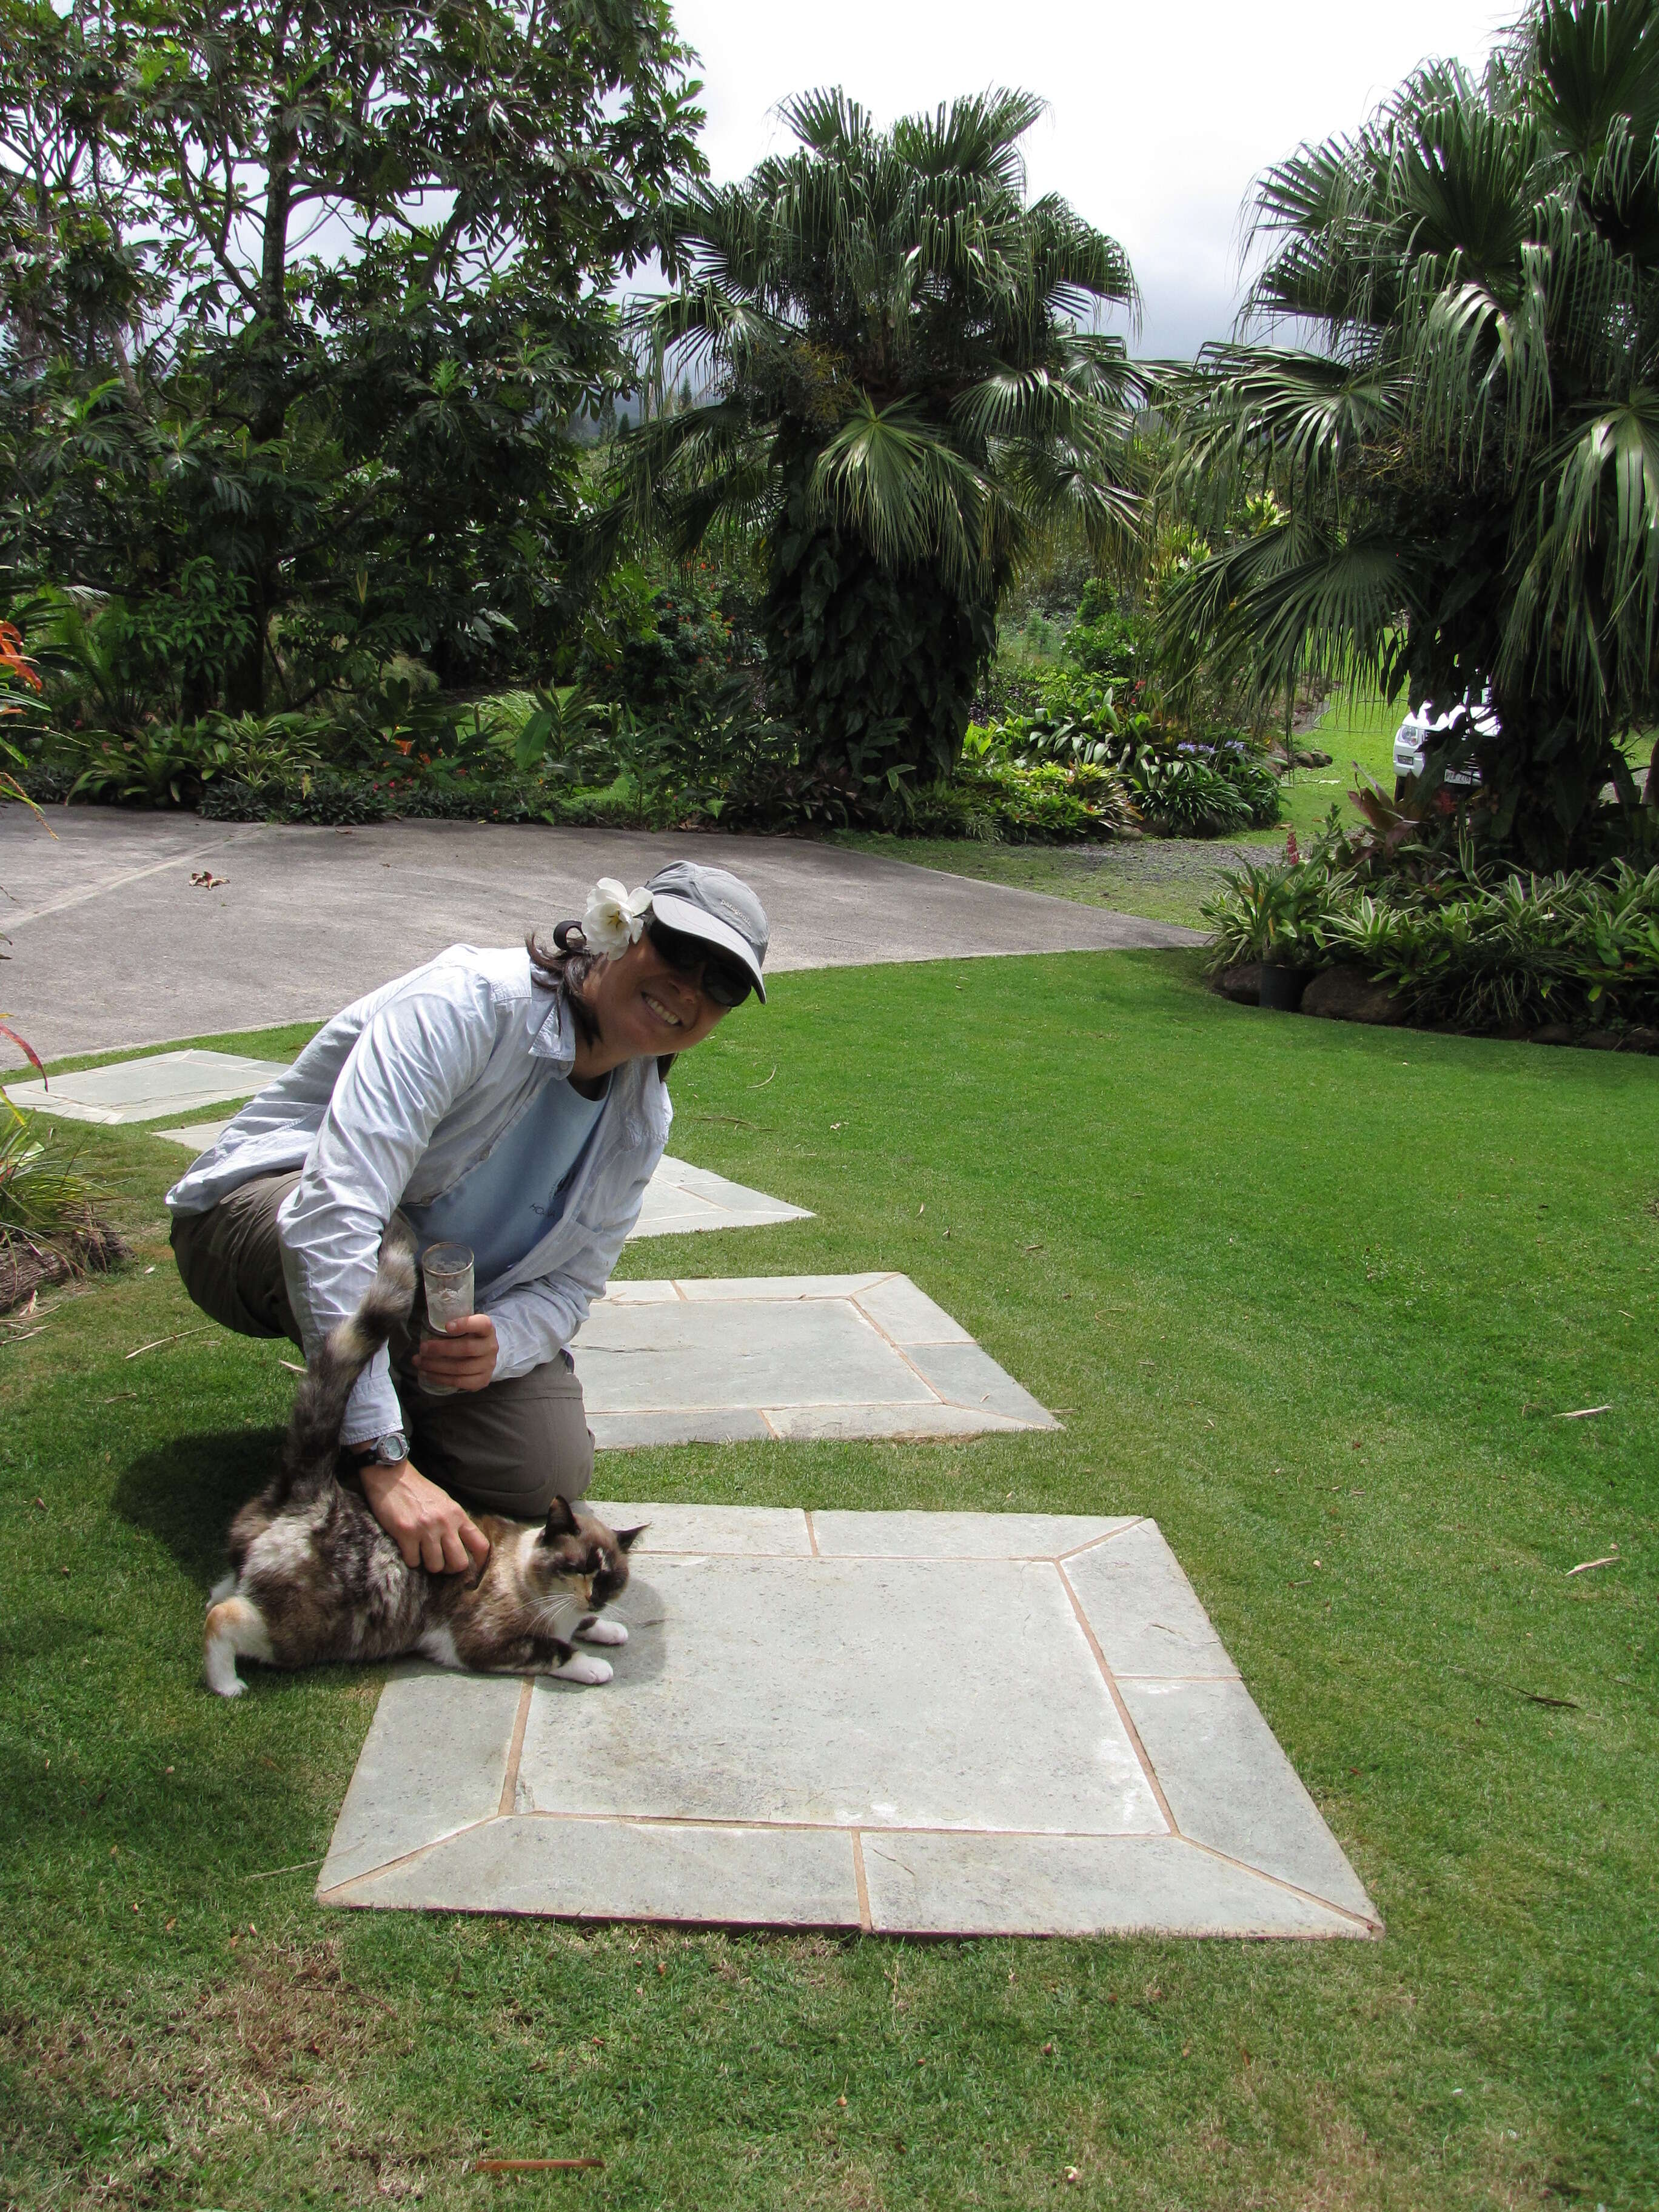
111	945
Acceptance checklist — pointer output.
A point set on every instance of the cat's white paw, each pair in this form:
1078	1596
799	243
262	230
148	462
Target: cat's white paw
582	1667
595	1630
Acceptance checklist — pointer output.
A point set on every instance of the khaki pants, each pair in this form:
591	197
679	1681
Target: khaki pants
511	1448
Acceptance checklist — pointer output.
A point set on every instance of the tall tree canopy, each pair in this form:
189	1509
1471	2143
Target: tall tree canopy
899	392
299	296
1470	440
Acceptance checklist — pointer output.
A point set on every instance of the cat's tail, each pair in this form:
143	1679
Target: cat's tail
319	1403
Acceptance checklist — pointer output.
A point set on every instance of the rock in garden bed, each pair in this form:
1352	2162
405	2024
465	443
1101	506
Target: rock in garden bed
27	1263
1347	995
1242	983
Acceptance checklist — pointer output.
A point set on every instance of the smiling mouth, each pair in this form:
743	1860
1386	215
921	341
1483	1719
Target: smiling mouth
662	1013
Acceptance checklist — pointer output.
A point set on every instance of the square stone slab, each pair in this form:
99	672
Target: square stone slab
678	1198
912	1724
701	1361
146	1090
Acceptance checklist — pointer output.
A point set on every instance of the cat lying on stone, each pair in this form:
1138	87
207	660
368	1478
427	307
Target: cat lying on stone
316	1580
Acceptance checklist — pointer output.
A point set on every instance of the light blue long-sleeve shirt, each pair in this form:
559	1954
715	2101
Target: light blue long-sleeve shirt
391	1104
507	1203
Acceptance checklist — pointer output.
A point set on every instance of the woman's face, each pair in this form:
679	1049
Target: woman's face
643	1006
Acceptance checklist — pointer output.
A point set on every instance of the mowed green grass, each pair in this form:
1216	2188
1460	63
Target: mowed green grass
1312	1296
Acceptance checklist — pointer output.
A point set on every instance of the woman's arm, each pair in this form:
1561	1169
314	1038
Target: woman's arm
416	1057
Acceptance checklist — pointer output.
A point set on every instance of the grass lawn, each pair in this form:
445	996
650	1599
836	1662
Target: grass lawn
1314	1297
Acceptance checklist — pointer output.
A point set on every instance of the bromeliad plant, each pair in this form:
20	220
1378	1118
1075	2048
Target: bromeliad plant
1482	951
1278	911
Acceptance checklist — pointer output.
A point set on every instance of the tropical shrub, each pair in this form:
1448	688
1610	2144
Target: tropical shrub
1277	910
1510	952
173	764
1188	798
1463	447
899	399
1105	641
1563	948
49	1227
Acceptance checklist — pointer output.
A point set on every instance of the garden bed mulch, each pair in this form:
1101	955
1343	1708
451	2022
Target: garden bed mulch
27	1263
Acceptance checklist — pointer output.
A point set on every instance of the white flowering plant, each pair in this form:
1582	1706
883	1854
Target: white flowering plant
615	918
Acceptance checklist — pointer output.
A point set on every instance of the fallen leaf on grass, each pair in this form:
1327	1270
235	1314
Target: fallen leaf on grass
1537	1698
176	1337
1584	1565
537	2165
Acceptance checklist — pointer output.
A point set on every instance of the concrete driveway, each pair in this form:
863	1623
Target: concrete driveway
111	945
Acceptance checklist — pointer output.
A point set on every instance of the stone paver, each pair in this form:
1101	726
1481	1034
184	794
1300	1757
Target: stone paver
306	919
678	1199
904	1723
145	1090
717	1362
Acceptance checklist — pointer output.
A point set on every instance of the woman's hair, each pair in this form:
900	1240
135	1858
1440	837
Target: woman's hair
569	966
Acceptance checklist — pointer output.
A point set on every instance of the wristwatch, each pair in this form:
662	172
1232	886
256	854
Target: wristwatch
392	1449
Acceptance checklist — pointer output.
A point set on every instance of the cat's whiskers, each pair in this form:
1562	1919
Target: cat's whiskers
552	1609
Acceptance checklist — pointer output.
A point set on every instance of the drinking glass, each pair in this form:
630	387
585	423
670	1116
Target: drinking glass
447	1272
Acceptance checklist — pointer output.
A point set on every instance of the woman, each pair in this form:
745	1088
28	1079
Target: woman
511	1101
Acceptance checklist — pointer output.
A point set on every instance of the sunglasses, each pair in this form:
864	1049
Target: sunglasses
724	983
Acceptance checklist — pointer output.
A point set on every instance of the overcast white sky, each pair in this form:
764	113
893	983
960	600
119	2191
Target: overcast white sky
1160	115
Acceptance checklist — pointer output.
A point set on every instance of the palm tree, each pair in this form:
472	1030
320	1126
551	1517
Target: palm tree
900	396
1467	440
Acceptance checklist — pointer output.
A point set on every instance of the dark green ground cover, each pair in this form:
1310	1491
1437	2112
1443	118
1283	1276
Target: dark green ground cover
1310	1294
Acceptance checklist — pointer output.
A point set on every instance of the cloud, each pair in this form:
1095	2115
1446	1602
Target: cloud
1160	119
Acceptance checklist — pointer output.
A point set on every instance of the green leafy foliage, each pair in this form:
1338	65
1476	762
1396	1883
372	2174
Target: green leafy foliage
1106	642
1514	951
875	667
44	1194
1464	454
295	319
898	400
1188	797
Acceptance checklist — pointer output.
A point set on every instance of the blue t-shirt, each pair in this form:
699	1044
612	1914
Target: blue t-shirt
509	1201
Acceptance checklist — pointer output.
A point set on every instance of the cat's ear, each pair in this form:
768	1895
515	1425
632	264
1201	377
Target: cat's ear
561	1522
627	1538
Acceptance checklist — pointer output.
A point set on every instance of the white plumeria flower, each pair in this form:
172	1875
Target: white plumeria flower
615	918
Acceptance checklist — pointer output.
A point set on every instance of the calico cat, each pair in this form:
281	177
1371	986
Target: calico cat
316	1580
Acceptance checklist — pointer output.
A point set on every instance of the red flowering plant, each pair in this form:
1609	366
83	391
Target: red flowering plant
20	695
18	674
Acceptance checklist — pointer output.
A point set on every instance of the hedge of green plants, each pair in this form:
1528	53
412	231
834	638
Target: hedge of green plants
1484	952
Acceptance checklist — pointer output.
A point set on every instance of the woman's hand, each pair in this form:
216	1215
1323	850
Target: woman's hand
463	1358
428	1527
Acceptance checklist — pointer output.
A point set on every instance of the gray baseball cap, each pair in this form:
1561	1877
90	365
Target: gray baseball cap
718	907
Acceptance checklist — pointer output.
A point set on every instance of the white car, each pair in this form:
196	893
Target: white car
1413	738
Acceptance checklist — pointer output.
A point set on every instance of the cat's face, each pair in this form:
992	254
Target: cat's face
579	1551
